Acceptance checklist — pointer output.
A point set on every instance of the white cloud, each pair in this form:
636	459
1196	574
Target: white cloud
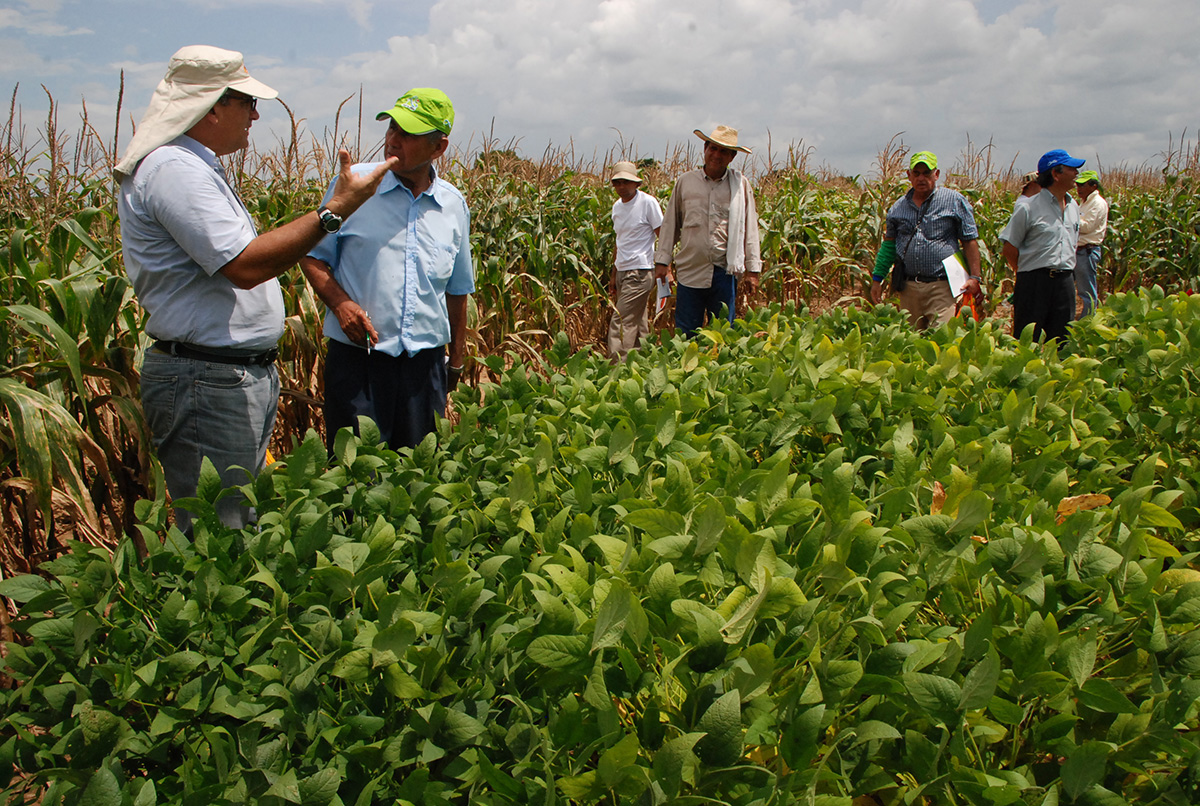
1104	78
37	18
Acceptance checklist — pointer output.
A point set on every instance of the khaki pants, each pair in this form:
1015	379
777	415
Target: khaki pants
630	323
929	305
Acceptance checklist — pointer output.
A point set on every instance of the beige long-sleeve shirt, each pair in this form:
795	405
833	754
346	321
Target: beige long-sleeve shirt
1093	220
698	221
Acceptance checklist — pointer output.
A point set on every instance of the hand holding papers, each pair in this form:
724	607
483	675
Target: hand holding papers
664	291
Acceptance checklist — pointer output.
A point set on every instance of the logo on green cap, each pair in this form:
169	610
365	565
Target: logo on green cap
927	157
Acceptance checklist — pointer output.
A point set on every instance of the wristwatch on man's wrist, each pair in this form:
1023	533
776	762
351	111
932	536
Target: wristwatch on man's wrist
330	221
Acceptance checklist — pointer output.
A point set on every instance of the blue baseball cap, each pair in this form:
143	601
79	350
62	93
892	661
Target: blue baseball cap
1057	157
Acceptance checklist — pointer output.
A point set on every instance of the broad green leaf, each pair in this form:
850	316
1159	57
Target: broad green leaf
23	588
559	651
1084	768
980	683
708	523
938	696
1080	658
873	730
1151	514
617	761
657	522
102	789
1101	695
620	443
286	787
611	616
320	788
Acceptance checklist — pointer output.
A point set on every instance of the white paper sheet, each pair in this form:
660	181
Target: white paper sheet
956	273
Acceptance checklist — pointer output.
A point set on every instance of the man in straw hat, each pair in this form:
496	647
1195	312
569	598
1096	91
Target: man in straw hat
636	219
1038	244
395	282
1029	188
1093	225
924	228
713	220
206	277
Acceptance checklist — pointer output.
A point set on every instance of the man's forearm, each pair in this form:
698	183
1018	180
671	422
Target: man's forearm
456	308
1011	255
320	277
971	253
272	253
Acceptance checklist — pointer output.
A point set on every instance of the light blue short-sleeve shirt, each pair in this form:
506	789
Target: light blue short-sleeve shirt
180	224
398	257
1044	232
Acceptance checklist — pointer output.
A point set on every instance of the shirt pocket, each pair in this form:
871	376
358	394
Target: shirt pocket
940	228
695	217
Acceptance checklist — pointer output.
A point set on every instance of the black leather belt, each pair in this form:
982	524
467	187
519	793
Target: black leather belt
926	279
182	350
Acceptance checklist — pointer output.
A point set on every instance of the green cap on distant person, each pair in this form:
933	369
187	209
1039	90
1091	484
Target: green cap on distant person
927	157
421	111
1087	176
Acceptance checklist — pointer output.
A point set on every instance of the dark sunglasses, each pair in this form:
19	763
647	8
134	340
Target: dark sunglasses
248	100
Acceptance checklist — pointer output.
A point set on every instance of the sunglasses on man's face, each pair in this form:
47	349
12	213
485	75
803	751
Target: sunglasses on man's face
248	100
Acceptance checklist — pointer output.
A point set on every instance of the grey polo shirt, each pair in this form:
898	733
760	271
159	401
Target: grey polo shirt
1044	233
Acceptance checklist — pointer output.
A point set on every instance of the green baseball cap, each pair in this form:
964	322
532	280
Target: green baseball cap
1087	176
927	157
422	110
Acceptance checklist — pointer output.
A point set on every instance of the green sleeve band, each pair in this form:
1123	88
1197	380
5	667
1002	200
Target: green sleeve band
884	261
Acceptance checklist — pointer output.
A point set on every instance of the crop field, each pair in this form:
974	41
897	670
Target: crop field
813	557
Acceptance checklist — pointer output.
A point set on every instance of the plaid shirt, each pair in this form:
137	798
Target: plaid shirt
946	221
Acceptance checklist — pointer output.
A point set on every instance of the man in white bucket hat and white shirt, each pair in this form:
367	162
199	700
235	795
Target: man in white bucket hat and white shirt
636	219
713	219
205	275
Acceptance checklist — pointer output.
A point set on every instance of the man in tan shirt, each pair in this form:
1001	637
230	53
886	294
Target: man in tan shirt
713	219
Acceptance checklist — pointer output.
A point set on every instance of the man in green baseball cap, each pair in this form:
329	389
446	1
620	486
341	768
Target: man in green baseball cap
395	281
925	228
421	111
1093	226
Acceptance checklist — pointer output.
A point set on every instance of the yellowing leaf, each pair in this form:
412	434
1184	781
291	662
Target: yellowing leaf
939	498
1078	503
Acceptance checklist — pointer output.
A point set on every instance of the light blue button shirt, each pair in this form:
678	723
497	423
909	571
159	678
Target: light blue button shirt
180	223
1044	232
398	257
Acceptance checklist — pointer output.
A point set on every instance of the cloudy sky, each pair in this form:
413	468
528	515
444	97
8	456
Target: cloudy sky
1112	82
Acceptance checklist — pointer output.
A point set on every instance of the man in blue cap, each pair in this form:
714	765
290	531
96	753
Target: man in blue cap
395	281
1039	245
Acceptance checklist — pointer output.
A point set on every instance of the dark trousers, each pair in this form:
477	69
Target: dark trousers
402	395
695	306
1046	300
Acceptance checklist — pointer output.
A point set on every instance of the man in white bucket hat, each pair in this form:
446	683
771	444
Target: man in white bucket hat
636	219
713	219
206	277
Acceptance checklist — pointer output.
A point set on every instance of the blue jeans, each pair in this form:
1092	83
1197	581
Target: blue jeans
695	306
197	409
1087	265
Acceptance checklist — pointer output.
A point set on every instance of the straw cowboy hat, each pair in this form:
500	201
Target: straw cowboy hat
724	137
197	76
625	170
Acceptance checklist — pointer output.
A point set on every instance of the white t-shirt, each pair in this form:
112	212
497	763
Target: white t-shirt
634	222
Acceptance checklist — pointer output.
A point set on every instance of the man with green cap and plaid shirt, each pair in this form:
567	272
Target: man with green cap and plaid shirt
924	227
395	280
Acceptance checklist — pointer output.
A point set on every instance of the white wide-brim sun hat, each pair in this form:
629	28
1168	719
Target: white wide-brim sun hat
197	76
